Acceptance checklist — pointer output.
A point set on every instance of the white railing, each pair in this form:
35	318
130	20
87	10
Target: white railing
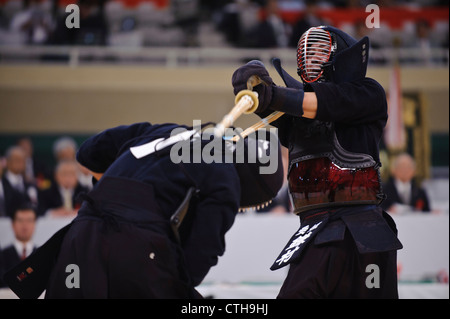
204	56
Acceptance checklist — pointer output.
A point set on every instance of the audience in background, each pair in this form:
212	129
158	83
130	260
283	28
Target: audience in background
272	32
61	199
65	148
241	23
401	190
27	147
33	22
14	174
36	171
187	17
23	226
309	19
93	27
236	21
9	197
424	42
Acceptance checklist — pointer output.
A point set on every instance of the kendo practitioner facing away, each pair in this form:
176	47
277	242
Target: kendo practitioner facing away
346	246
127	241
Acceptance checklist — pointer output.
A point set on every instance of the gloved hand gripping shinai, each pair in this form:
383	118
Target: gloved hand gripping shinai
271	96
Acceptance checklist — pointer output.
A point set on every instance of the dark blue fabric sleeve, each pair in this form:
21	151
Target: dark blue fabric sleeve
351	103
214	215
98	152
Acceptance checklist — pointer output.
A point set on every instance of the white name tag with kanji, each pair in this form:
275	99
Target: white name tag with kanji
297	242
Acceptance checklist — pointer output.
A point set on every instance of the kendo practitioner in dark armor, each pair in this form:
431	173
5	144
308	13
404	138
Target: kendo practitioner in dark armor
128	240
346	246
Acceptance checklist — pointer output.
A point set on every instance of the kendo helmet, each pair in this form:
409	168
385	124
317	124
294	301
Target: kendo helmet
260	179
328	54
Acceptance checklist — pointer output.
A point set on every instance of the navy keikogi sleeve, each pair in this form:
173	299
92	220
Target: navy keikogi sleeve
351	103
214	215
359	111
98	152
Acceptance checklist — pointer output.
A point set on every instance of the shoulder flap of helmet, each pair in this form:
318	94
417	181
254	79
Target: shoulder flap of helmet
351	63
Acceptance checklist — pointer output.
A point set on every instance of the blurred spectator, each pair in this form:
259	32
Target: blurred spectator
36	172
10	199
187	16
308	20
93	28
33	21
227	20
27	146
14	175
423	42
61	199
402	192
65	148
272	32
23	225
237	20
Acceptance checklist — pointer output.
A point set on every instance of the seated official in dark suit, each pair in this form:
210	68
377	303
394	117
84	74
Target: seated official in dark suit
10	198
14	174
36	171
401	190
61	198
23	225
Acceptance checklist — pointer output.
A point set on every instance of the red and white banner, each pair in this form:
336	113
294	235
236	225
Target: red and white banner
394	134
